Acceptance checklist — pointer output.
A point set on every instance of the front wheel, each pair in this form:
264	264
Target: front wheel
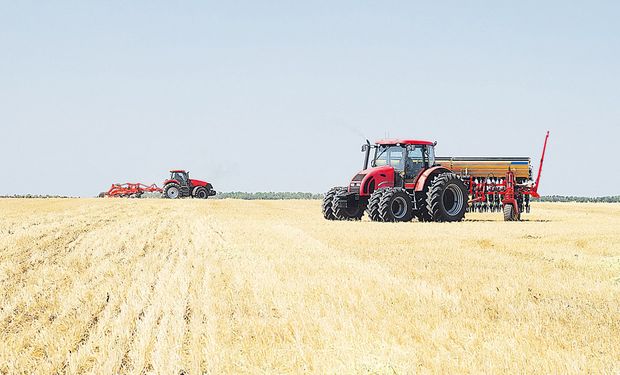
201	193
395	205
373	205
353	212
328	203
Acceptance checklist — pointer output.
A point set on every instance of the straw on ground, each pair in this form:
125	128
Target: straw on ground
160	286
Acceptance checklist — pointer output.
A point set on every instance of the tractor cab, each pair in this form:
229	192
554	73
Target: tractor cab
394	163
407	157
181	176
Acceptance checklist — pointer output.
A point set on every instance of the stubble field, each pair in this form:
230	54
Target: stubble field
227	286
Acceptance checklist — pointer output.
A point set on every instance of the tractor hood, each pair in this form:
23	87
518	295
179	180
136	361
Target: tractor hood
368	180
198	182
191	181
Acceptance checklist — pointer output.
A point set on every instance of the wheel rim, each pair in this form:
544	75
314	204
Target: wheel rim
352	211
173	192
399	207
453	200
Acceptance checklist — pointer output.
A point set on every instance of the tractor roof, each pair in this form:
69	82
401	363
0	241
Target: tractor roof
395	141
177	171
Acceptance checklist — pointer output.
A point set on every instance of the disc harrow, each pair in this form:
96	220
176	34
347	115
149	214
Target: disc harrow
130	190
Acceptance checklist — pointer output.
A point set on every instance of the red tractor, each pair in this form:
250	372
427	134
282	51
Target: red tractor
406	180
179	185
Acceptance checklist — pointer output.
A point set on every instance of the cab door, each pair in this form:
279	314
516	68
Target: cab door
416	160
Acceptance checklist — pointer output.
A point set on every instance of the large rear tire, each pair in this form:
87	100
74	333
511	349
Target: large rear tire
373	205
172	191
447	198
422	213
346	213
395	205
328	201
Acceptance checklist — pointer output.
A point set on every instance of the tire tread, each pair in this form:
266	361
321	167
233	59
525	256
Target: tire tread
434	197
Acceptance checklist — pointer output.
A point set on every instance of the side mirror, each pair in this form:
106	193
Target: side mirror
365	147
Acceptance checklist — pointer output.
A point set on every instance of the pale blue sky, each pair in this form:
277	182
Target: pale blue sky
257	96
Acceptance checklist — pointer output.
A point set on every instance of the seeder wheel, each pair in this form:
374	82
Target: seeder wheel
510	214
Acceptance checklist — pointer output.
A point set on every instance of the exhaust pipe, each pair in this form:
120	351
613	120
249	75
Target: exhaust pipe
366	148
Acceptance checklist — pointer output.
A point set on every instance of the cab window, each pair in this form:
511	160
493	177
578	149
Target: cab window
429	153
389	155
179	177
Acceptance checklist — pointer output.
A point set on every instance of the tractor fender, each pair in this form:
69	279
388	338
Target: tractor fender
194	190
424	176
171	181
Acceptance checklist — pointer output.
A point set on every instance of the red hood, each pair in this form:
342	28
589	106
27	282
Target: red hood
374	178
192	182
198	182
374	170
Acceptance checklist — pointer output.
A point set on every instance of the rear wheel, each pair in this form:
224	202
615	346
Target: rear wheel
328	201
172	191
447	198
373	205
346	213
395	205
422	213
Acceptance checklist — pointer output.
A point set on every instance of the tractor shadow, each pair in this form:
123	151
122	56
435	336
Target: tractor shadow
492	221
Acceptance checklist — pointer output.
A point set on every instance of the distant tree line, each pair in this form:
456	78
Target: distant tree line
570	198
34	196
268	195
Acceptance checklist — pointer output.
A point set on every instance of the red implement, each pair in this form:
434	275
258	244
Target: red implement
130	190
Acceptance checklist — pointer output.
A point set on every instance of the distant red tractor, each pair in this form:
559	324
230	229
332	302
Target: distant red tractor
179	185
406	180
